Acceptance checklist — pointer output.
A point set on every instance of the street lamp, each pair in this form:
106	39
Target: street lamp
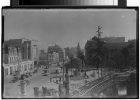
64	88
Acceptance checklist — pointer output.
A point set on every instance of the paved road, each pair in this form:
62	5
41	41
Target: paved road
37	80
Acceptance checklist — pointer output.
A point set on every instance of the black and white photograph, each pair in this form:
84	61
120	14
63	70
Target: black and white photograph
69	53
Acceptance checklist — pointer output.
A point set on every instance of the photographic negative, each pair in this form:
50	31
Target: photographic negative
69	53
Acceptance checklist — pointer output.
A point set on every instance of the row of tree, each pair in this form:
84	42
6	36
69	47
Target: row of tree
113	56
99	54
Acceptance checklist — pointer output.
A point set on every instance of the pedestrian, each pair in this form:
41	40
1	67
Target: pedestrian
85	81
44	91
22	87
50	79
28	82
36	91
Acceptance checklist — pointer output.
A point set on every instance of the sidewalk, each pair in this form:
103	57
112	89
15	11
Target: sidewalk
79	83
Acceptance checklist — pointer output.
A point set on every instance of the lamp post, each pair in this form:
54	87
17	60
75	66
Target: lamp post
22	86
64	90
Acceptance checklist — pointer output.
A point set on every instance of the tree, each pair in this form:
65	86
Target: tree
125	53
80	55
68	53
73	63
129	55
94	50
118	60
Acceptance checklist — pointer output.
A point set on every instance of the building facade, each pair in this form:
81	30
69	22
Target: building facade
55	54
43	60
18	56
35	52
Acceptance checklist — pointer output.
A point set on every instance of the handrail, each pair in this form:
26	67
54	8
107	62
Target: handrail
93	83
99	84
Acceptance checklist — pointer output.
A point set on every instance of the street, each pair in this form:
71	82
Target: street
39	80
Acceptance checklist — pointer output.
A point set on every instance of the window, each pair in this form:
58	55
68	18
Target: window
6	72
16	68
19	67
25	67
16	59
13	59
11	70
9	60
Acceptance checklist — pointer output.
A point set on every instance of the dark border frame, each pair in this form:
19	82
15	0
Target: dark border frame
77	7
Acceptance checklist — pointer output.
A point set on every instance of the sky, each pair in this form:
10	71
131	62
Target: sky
68	27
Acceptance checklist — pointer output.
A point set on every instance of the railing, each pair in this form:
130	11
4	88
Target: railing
87	87
99	84
99	87
106	82
123	76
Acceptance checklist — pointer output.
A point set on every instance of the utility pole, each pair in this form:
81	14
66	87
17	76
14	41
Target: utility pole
99	48
63	71
99	32
66	81
64	90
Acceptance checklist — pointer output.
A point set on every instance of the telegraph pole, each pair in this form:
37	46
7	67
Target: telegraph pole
99	32
99	48
64	88
65	81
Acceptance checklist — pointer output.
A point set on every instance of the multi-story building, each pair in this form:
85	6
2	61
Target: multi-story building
42	55
43	60
55	54
18	56
35	52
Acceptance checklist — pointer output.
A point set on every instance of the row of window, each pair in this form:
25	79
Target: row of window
18	68
14	59
13	51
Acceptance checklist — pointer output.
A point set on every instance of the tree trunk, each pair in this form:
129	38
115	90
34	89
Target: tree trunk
98	73
101	71
82	64
98	68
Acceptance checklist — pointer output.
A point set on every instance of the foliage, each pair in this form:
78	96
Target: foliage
94	51
73	63
117	59
120	59
118	56
80	55
68	52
